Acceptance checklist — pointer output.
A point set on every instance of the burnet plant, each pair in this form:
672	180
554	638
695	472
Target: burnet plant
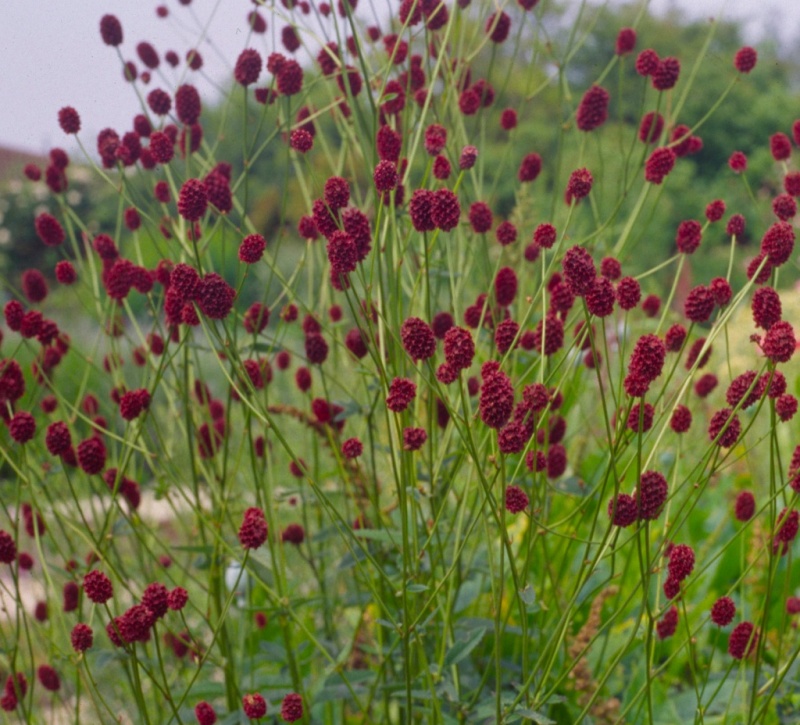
452	463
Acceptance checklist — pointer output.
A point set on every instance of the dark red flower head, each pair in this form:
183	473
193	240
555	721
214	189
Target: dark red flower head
628	293
724	428
111	30
579	270
469	155
505	286
187	104
508	119
626	41
715	210
600	298
91	455
253	531
743	640
659	164
446	210
779	343
681	419
666	74
148	55
252	248
668	624
98	587
699	304
647	62
292	707
516	499
69	120
497	396
777	243
385	176
681	562
215	297
290	78
8	548
688	236
593	109
498	26
651	494
530	168
254	706
647	361
622	510
205	714
745	59
248	67
418	339
780	145
766	307
49	230
579	185
745	506
401	392
723	611
193	200
651	127
81	637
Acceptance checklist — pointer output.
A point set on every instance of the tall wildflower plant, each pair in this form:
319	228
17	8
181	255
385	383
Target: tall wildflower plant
405	453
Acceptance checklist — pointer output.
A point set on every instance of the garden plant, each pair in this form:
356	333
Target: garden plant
423	422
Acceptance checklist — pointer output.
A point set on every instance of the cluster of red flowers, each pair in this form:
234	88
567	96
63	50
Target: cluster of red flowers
184	293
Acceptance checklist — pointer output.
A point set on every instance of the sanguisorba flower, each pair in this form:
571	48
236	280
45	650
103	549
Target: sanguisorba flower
651	494
418	339
111	30
292	707
659	164
779	343
204	713
254	706
743	640
593	109
401	392
98	587
723	611
248	67
192	200
497	396
646	364
516	499
745	59
252	248
579	185
253	531
69	120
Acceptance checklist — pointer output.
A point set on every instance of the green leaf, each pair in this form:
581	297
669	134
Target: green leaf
528	596
467	593
349	408
461	649
415	588
374	535
536	717
573	485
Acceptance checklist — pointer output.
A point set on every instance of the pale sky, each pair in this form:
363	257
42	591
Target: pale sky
51	54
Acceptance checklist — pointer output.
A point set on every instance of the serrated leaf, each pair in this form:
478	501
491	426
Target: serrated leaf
467	593
374	535
528	596
534	716
461	649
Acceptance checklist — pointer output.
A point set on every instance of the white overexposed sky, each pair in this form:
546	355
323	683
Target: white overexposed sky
51	54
